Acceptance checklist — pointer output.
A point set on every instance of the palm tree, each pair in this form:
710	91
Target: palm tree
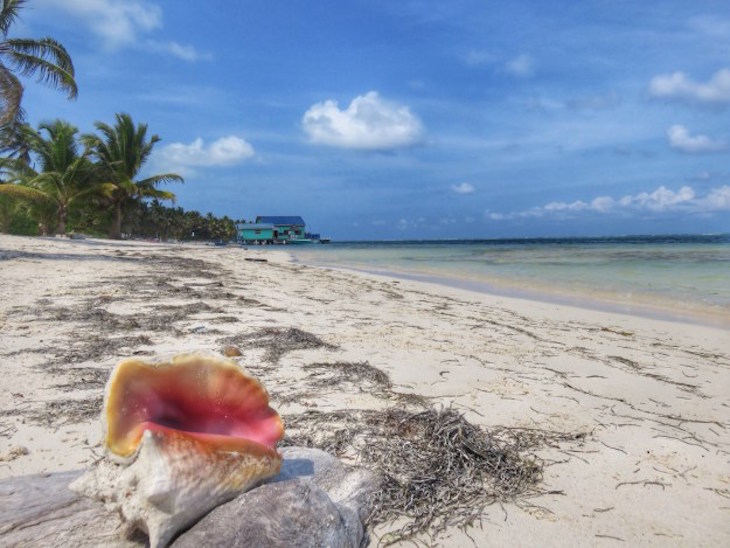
65	175
121	150
45	58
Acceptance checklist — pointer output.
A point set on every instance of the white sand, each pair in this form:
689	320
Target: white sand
653	396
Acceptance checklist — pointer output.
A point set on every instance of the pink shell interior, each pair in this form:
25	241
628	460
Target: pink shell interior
213	401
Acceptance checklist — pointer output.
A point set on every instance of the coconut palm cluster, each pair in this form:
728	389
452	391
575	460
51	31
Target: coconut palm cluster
54	179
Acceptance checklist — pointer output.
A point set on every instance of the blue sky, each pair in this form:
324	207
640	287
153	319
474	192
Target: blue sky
416	119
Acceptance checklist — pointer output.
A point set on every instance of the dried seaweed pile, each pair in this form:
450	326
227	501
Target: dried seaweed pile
90	313
84	378
277	341
438	469
7	430
59	412
362	375
96	347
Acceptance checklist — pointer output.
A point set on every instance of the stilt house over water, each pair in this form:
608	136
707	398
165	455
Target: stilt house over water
272	230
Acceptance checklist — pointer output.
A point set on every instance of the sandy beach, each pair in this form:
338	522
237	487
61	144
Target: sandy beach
643	405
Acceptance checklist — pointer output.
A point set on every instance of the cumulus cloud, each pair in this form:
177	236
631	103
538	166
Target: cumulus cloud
368	123
680	138
718	199
679	86
225	151
463	188
522	66
661	200
123	23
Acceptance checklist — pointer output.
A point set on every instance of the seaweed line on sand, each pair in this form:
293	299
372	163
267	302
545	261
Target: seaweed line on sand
59	412
277	341
7	430
438	470
361	374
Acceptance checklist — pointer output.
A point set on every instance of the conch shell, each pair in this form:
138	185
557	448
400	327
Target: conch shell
182	437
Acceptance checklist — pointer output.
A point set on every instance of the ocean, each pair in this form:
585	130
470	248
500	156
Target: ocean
672	277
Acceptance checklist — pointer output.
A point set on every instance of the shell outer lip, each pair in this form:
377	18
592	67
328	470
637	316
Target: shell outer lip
187	360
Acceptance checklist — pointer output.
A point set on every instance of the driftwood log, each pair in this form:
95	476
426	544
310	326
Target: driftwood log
314	501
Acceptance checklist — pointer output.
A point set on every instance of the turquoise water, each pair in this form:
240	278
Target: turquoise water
678	277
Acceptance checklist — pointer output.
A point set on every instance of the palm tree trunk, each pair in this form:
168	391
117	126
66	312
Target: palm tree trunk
116	230
61	229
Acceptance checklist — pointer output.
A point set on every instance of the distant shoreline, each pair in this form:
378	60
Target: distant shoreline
647	238
675	278
581	300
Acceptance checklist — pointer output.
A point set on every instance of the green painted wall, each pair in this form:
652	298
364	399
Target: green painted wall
255	234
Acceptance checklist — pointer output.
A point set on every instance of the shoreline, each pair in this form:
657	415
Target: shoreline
647	397
549	294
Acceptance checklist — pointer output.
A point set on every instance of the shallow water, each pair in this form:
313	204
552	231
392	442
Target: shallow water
677	277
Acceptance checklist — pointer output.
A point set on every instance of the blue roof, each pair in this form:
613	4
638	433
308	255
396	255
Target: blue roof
281	220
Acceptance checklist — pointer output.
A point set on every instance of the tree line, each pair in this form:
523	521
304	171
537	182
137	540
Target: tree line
54	180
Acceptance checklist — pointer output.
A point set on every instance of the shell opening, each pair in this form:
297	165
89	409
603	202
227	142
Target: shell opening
208	399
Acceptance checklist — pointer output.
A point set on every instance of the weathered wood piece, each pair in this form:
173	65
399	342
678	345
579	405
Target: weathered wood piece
316	500
40	510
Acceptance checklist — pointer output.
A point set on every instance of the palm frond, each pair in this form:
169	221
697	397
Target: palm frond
158	194
11	93
9	13
47	59
13	142
17	167
59	150
155	180
106	190
26	193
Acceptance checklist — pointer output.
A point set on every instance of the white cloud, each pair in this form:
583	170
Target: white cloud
184	52
521	66
678	86
717	199
225	151
368	123
680	139
117	22
122	23
578	205
661	200
463	188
